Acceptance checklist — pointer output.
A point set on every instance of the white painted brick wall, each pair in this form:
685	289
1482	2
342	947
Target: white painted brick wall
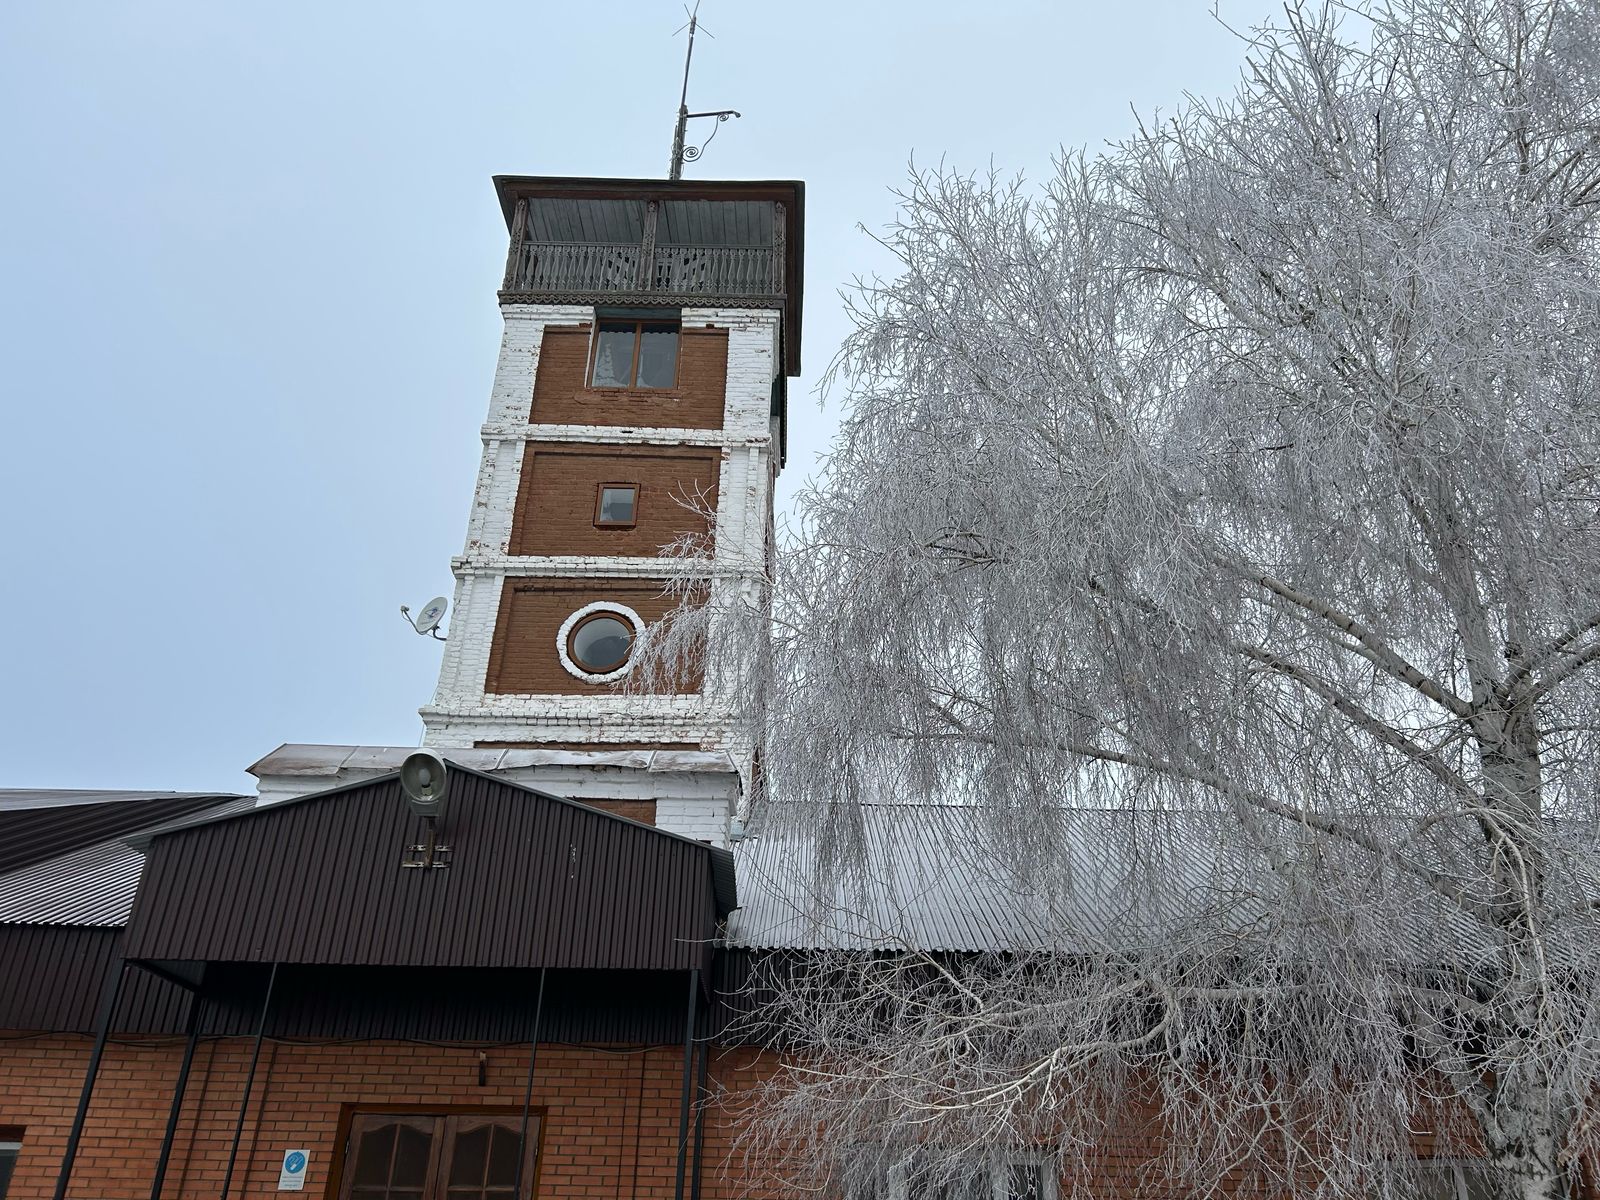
461	712
705	820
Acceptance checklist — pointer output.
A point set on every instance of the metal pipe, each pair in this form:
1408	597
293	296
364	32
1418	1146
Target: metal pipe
249	1080
196	1005
688	1080
108	1007
679	133
699	1120
527	1091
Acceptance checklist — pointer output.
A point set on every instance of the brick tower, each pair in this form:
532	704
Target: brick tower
650	328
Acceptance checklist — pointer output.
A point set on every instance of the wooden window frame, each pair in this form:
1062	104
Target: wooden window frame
443	1115
599	499
638	323
572	641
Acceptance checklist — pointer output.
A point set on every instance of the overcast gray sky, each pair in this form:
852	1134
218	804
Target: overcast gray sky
248	257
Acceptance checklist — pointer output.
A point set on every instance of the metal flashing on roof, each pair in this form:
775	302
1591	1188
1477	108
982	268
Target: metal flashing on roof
302	759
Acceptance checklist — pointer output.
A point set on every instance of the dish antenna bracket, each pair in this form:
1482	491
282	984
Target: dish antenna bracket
427	621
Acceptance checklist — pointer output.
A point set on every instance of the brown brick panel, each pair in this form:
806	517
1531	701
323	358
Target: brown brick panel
555	508
523	659
561	395
636	810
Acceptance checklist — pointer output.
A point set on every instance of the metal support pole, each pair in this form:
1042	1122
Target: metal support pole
675	172
108	1008
196	1005
688	1080
249	1080
527	1091
699	1120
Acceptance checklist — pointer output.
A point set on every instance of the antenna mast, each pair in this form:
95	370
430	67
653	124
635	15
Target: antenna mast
680	152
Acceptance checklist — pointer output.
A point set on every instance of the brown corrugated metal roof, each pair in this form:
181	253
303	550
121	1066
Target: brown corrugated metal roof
55	974
40	824
534	880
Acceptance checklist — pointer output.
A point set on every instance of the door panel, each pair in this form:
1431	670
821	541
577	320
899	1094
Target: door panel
405	1156
391	1157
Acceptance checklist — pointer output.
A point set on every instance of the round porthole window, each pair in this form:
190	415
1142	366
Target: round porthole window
596	642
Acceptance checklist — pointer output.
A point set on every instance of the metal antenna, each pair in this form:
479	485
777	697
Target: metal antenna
680	152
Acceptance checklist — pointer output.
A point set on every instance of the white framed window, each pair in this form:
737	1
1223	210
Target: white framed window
595	644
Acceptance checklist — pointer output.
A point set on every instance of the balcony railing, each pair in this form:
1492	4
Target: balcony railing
601	267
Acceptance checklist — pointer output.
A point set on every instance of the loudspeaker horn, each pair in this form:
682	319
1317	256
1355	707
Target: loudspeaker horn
424	780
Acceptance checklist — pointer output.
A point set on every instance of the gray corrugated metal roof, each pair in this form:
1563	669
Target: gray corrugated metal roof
91	886
933	878
943	878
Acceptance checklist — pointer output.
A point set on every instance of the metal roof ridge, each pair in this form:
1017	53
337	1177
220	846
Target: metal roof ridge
55	797
141	840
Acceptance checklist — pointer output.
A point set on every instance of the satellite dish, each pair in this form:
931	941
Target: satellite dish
424	781
427	621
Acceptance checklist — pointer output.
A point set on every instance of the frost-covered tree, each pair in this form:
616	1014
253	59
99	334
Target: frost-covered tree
1244	479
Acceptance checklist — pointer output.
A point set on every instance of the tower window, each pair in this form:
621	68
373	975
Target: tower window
635	354
596	643
600	643
615	505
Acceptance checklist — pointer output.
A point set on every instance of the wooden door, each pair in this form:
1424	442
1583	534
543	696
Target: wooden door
419	1156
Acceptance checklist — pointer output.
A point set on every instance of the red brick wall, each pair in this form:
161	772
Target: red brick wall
556	498
523	657
561	395
610	1119
610	1127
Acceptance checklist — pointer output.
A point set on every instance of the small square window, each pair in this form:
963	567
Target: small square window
635	354
616	505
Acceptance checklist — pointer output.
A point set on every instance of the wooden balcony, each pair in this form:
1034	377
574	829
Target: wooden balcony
589	269
647	243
